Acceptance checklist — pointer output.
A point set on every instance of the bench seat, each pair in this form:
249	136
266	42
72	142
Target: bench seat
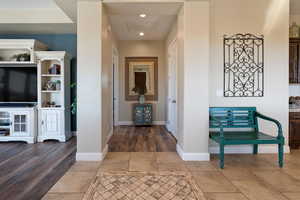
239	126
244	137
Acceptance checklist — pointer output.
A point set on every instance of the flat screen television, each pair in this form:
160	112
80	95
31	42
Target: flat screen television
18	84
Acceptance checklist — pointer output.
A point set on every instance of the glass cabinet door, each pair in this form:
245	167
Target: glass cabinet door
20	124
5	123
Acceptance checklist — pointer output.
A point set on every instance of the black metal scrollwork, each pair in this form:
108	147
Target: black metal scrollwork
243	65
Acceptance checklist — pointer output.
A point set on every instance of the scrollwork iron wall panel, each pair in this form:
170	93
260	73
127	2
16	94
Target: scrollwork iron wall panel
243	65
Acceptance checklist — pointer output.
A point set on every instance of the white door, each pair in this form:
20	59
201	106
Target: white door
115	92
172	88
51	122
20	124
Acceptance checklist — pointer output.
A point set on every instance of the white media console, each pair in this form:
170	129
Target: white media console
50	118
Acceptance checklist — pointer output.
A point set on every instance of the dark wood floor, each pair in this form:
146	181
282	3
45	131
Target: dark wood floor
142	139
28	171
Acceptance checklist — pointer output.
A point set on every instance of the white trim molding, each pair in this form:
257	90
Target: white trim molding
192	156
248	149
128	123
89	156
92	156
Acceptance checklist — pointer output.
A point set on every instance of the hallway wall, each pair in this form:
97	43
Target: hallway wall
142	48
108	42
267	17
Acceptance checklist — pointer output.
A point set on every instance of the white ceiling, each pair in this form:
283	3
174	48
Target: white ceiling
27	4
126	23
36	17
295	7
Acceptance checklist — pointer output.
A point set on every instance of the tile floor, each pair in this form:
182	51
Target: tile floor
245	177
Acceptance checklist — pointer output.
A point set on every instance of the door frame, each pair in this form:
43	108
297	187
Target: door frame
115	86
172	72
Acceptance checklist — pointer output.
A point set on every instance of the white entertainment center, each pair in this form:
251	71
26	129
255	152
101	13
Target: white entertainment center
49	117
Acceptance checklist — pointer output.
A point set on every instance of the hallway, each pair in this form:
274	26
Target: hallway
142	139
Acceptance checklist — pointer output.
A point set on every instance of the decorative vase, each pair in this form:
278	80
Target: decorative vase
142	99
294	30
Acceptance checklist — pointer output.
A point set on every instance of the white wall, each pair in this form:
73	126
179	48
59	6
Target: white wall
142	48
89	81
180	78
195	83
108	42
267	17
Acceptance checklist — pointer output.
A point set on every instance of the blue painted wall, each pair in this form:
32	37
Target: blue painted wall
57	42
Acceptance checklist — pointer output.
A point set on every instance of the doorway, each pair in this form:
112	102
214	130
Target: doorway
172	89
143	30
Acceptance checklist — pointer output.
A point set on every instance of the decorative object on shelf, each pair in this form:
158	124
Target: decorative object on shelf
141	73
142	114
57	85
23	57
54	69
294	30
243	65
142	99
50	85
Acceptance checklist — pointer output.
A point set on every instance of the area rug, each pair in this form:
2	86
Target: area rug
143	186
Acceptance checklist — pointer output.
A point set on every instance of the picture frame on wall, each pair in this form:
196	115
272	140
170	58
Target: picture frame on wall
141	72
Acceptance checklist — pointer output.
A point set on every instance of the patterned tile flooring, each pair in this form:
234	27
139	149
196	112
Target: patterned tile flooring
245	177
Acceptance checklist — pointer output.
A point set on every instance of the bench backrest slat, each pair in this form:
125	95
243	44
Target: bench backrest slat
233	117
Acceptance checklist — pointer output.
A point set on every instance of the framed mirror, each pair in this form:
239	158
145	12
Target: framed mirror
141	76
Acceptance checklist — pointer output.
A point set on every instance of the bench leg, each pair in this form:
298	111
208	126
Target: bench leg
255	148
221	155
280	155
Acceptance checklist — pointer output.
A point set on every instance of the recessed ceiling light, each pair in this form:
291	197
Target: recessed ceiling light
141	34
143	15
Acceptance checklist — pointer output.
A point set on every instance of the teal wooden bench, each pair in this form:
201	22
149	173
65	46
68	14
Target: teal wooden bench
239	126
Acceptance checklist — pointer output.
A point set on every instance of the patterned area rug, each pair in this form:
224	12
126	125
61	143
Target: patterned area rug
143	186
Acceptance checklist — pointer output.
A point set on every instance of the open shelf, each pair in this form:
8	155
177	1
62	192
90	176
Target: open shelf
50	91
51	75
20	55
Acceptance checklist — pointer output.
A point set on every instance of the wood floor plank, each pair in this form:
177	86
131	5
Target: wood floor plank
142	139
34	168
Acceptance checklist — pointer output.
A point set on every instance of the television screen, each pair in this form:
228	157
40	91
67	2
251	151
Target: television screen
18	84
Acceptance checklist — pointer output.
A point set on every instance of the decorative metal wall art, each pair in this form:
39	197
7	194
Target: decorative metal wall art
243	65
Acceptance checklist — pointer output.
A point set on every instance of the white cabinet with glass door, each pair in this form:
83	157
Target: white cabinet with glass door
18	124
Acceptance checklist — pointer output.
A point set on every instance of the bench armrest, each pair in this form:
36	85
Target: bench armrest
215	120
280	134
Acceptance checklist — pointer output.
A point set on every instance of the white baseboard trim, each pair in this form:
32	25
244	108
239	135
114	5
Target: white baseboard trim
192	156
91	156
246	149
128	123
